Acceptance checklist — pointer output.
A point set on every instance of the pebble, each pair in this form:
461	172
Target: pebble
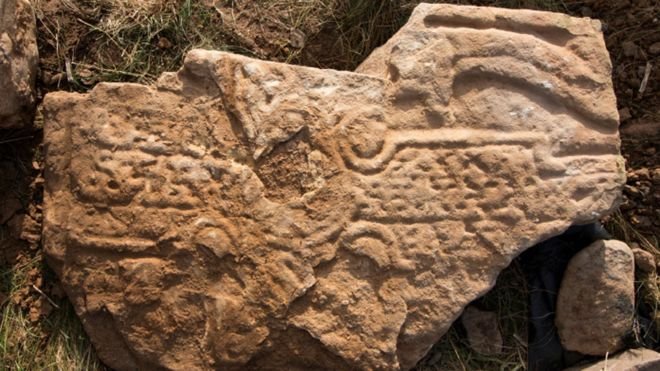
644	260
629	48
655	48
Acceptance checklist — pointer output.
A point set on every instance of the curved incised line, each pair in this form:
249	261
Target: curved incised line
223	225
365	229
489	46
554	36
598	121
548	33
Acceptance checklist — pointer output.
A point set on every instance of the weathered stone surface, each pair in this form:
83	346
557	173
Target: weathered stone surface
18	62
630	360
644	260
483	330
254	215
596	301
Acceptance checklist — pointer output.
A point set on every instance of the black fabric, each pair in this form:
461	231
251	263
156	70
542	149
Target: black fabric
544	266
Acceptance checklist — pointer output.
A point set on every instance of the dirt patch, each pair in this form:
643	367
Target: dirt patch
20	227
641	203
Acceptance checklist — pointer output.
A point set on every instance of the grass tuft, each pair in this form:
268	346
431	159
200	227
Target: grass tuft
56	341
129	40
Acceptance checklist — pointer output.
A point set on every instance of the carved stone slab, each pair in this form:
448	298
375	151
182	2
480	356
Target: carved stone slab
242	214
18	62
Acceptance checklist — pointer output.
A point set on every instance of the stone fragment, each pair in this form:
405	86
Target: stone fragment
18	62
624	114
630	49
630	360
655	176
596	301
586	12
483	331
644	260
242	214
655	48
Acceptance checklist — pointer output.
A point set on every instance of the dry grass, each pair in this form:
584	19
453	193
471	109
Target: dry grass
55	342
127	40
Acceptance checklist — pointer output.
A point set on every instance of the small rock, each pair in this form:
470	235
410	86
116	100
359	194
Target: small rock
626	203
18	63
624	114
629	48
86	76
633	191
641	129
630	360
641	71
46	77
655	48
30	230
656	176
586	12
641	221
596	300
54	79
483	331
34	314
164	43
639	174
297	39
644	260
634	82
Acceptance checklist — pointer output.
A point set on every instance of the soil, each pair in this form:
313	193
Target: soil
333	35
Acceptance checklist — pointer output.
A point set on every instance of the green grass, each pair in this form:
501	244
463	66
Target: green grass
54	342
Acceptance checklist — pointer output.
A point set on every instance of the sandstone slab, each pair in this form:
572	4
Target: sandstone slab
596	301
630	360
18	62
242	214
